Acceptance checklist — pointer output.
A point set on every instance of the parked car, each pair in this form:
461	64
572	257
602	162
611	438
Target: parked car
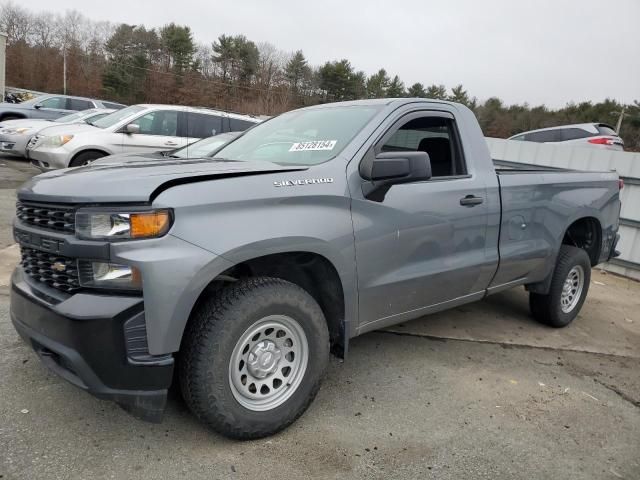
598	135
135	129
51	107
201	149
15	134
244	271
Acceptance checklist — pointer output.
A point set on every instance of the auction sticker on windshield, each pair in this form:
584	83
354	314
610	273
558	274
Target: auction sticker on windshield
316	145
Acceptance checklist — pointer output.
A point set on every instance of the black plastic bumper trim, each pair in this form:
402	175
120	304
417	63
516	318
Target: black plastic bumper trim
90	351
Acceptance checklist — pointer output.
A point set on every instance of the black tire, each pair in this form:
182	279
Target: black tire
209	341
85	158
11	117
547	308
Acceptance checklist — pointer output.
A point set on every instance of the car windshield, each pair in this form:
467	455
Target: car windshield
117	116
301	137
74	117
203	148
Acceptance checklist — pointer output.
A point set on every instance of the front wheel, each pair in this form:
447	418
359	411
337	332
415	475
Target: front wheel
568	291
253	357
85	158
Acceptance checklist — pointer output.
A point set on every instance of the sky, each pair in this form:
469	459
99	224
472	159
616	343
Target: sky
541	52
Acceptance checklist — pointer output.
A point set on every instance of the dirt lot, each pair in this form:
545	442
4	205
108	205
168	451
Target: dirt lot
481	391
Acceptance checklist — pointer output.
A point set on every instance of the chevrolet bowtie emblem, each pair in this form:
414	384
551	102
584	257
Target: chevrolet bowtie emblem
58	266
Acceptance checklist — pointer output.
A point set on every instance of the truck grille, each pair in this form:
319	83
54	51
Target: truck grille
58	218
54	270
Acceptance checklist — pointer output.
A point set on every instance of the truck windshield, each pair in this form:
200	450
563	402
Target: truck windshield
301	137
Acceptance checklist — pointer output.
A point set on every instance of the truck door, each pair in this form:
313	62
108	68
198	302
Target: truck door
425	243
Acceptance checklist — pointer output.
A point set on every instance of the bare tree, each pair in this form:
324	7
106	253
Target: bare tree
16	22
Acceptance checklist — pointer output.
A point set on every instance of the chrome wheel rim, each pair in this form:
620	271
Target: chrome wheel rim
572	289
268	363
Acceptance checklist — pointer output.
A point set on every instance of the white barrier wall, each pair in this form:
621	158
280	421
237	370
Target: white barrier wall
627	165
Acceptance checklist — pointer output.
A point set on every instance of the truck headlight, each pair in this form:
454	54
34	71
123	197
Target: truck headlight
114	225
94	274
55	140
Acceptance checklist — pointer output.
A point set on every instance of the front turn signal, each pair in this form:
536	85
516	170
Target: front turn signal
150	224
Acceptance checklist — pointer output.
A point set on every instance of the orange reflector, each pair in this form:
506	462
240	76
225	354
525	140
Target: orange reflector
149	224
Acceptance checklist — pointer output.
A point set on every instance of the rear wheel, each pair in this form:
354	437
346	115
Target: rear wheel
85	158
253	357
568	291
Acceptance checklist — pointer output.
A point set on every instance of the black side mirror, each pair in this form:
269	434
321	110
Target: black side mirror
37	106
393	168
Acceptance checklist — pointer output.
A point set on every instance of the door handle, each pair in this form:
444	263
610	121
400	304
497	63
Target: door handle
170	143
471	201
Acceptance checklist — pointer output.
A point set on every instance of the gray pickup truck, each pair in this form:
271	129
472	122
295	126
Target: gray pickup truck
244	271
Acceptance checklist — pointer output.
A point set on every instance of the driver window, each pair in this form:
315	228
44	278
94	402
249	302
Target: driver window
161	122
434	135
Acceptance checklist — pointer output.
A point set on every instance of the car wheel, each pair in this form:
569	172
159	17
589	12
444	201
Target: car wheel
568	291
253	357
11	117
85	158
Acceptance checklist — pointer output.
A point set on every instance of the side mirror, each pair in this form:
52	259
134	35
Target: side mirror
132	128
393	168
37	106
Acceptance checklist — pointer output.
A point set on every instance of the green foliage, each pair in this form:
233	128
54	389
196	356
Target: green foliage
437	92
237	58
396	88
177	46
340	81
377	84
297	70
417	90
130	52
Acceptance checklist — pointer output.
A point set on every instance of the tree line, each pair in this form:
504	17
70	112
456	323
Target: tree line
134	64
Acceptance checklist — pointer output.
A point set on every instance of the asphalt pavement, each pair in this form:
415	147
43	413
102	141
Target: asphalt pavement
481	391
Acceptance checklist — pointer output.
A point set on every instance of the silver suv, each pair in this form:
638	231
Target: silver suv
135	129
598	135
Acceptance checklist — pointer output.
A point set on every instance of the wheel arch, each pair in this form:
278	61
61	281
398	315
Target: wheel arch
12	116
584	232
87	150
312	271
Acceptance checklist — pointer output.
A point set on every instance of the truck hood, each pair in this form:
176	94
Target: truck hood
134	181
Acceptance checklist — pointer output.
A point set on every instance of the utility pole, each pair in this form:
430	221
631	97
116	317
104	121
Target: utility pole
619	124
64	70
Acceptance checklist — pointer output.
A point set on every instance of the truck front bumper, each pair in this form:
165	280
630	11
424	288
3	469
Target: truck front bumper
97	352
